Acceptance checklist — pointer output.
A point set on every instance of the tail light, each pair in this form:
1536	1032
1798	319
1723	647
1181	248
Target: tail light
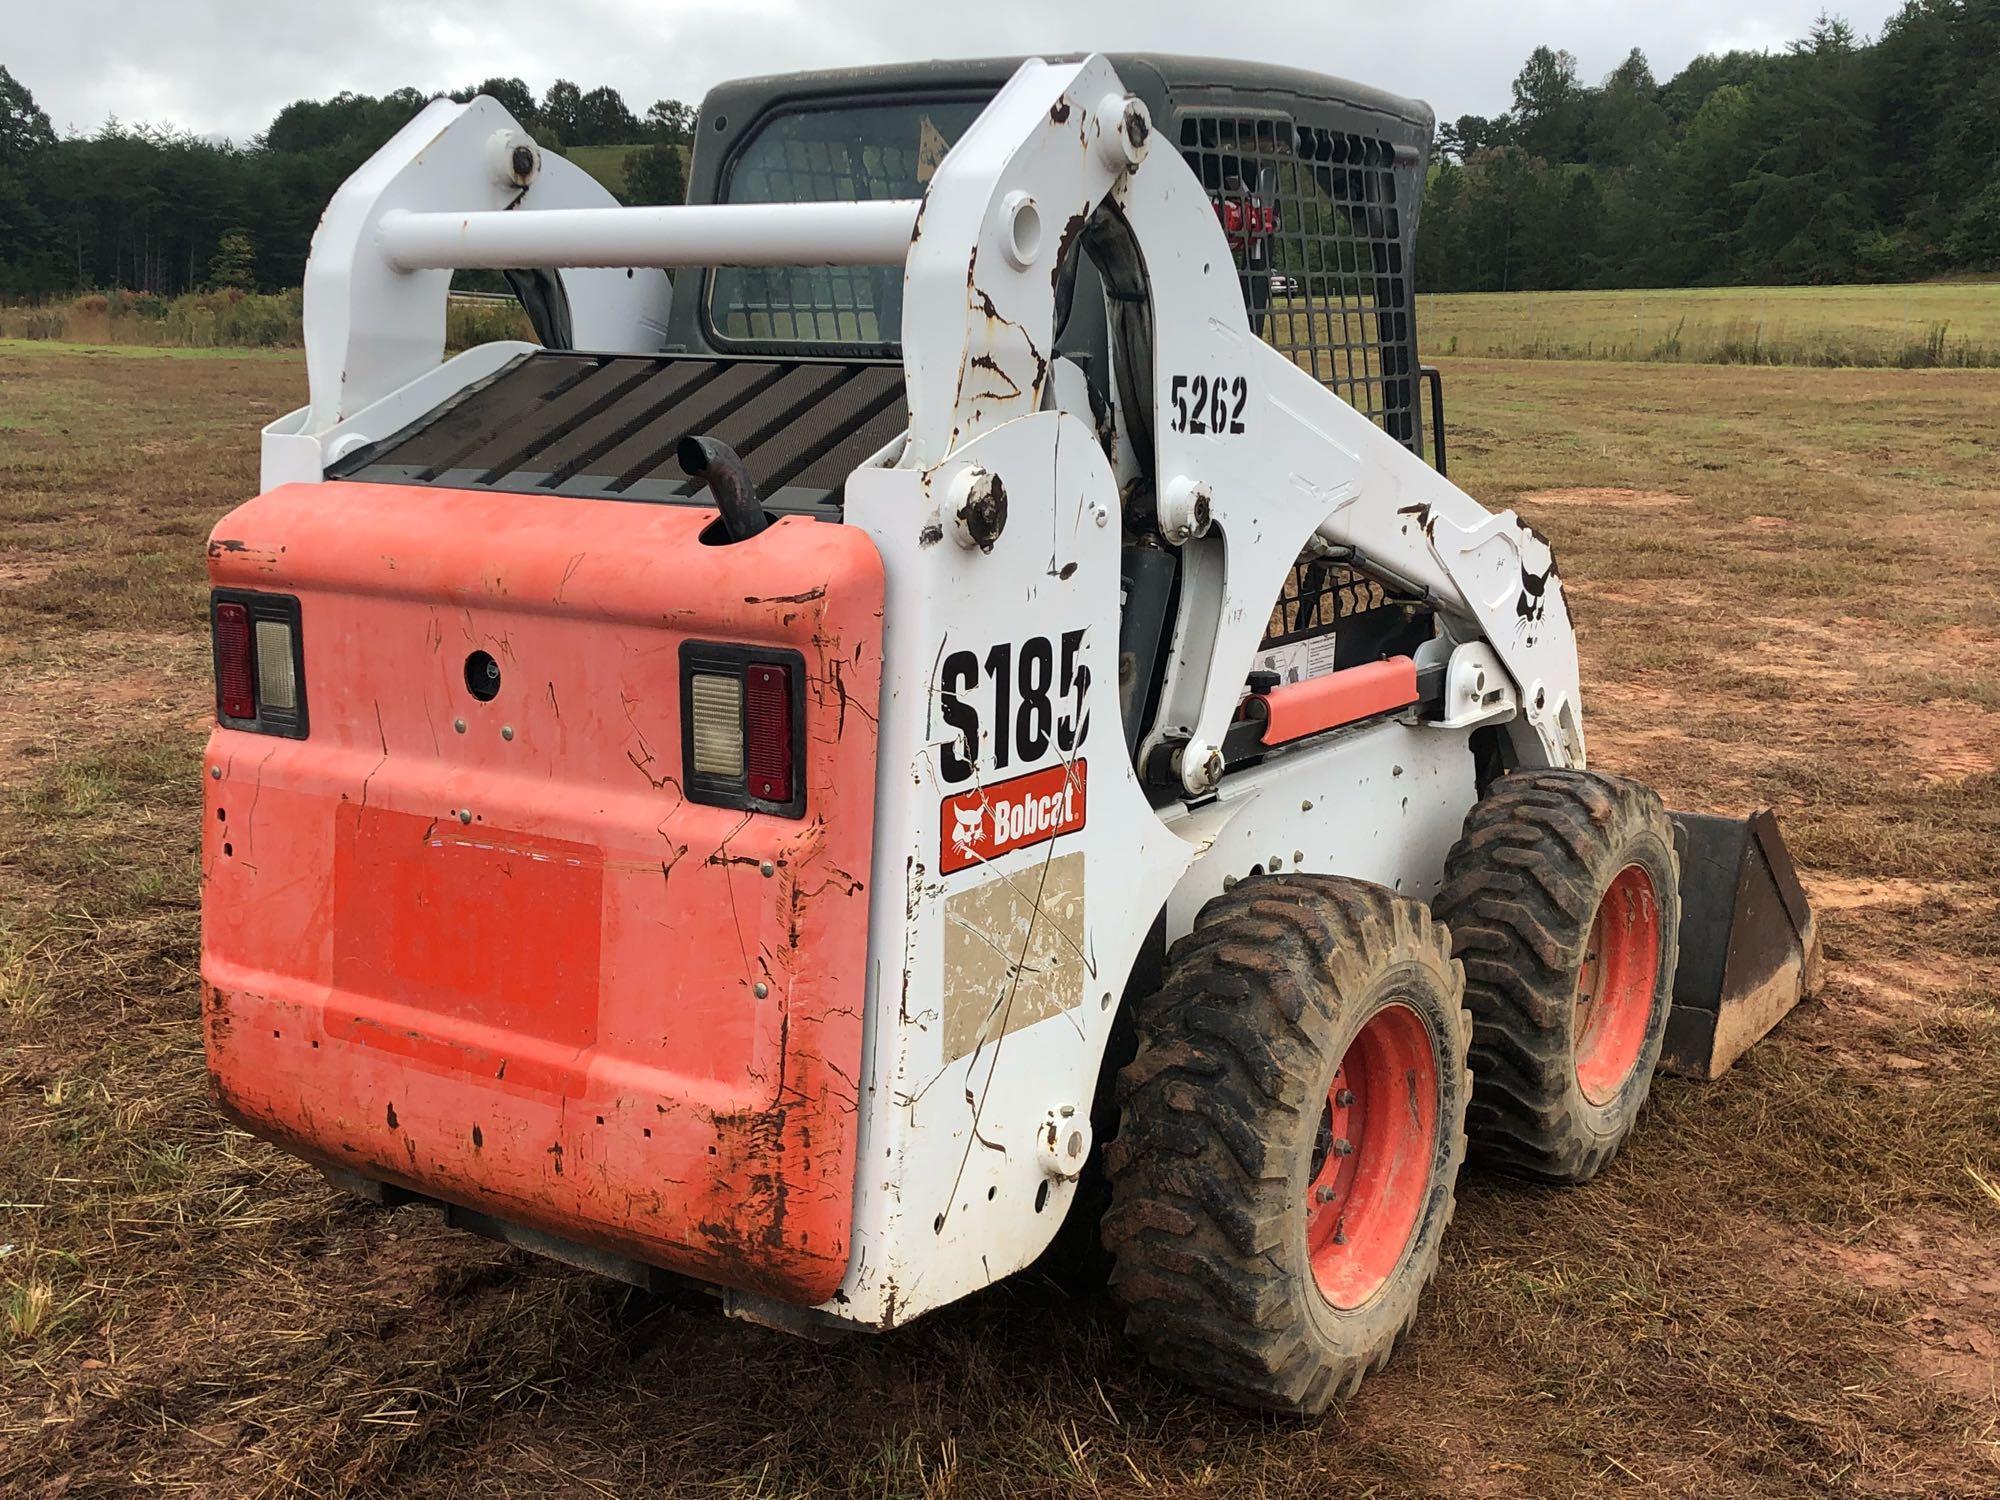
259	662
743	727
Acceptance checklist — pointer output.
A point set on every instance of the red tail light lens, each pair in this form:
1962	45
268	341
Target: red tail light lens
767	723
235	666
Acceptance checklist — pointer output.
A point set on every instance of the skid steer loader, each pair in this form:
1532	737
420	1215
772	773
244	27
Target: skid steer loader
964	706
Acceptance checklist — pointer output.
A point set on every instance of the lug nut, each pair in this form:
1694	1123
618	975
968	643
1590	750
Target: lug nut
1343	1147
1344	1098
1325	1195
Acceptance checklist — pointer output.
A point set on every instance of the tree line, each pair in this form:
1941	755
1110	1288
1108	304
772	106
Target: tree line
1835	160
155	209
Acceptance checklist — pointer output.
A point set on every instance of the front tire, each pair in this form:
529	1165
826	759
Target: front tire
1563	900
1289	1140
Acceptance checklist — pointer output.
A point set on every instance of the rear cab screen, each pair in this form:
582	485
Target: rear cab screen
829	153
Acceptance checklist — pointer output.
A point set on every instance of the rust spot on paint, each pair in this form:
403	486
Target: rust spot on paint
392	1116
216	1009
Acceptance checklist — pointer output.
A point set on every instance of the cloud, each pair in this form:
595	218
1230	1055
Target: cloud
225	67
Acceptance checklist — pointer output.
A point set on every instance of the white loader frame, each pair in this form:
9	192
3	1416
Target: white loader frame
993	987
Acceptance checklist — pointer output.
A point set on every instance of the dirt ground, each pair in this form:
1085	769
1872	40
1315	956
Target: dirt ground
1788	589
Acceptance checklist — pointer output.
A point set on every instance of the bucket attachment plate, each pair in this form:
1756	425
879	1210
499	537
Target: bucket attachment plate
1749	943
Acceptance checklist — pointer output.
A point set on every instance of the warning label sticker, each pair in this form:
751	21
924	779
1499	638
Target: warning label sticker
986	822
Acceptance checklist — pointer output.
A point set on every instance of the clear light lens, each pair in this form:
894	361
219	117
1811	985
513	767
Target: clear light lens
718	724
276	686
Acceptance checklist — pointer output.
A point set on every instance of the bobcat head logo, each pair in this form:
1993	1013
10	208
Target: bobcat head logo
969	827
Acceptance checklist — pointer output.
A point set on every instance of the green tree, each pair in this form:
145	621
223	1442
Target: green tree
27	256
1551	109
511	94
1807	197
654	174
235	262
670	121
24	127
1627	125
559	111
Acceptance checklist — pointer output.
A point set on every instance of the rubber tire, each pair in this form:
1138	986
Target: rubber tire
1521	889
1218	1114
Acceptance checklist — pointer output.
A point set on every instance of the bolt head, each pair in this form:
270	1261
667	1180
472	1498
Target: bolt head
978	505
761	990
506	731
458	725
1343	1147
1345	1098
215	773
1325	1195
767	869
465	815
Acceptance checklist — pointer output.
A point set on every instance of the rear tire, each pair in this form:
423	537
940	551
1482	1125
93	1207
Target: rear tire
1563	900
1289	1140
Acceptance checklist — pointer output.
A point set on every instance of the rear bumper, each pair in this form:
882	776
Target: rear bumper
521	972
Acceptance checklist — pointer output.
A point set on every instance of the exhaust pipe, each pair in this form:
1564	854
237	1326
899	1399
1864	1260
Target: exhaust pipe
716	463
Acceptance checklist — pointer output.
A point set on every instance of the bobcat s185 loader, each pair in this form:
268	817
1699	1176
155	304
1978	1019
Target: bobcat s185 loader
965	707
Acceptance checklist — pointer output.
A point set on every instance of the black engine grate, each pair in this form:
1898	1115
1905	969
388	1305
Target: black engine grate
603	426
1317	233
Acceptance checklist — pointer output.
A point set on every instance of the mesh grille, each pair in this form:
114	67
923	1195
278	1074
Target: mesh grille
1316	231
1318	595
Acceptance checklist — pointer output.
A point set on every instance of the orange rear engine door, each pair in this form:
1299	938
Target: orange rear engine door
489	948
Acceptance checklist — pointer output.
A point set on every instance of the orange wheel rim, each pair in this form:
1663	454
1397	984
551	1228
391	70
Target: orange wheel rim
1371	1165
1615	985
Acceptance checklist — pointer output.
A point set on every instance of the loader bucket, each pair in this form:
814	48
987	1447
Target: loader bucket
1749	944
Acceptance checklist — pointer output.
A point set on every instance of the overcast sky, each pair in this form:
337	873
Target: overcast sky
224	67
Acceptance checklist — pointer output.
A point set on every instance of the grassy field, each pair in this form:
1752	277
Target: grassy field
1924	325
1786	1286
607	163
